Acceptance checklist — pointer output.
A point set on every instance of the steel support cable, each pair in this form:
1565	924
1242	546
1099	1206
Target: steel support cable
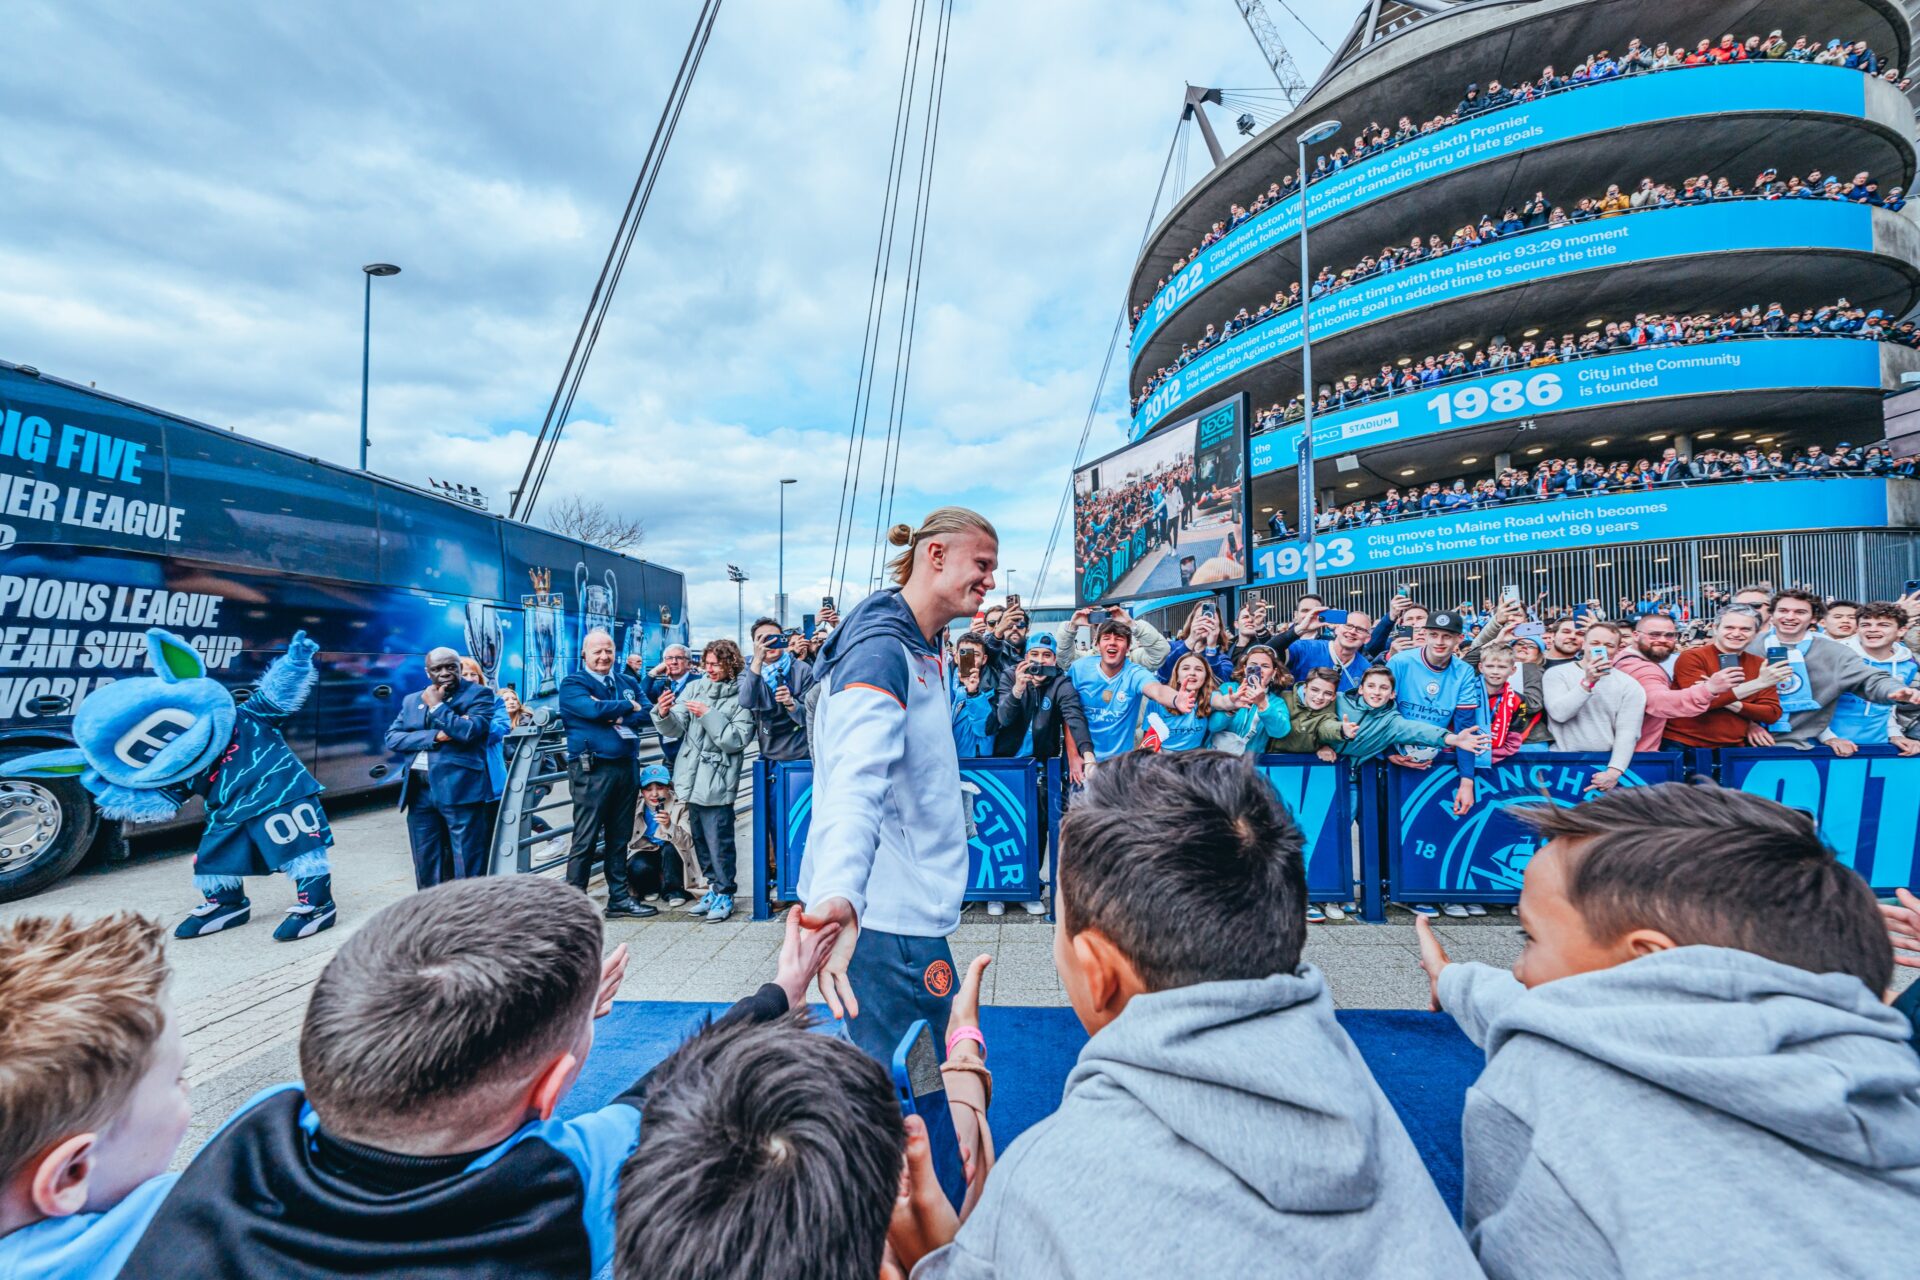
844	517
910	299
1099	387
593	338
709	10
1304	27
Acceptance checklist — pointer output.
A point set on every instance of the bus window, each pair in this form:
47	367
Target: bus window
260	508
436	546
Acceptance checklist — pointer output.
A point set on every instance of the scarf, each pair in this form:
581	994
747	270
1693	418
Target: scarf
1502	709
1796	691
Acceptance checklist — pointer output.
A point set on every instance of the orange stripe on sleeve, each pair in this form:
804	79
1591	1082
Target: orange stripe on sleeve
858	684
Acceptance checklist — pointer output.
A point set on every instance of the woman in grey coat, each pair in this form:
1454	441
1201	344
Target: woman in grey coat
714	730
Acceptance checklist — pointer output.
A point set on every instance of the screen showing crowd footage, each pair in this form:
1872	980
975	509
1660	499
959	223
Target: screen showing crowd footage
1166	514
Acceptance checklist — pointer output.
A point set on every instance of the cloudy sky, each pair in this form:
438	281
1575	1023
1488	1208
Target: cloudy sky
190	193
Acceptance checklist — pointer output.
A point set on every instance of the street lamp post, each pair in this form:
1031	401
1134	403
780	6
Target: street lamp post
781	599
739	581
1317	134
366	345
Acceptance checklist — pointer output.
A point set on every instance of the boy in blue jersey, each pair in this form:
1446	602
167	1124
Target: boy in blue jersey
1857	722
1435	686
1111	690
92	1096
439	1042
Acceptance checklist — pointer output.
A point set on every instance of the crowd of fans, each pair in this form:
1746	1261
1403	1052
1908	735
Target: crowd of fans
1636	59
1645	330
1535	215
1754	1071
1571	477
1163	503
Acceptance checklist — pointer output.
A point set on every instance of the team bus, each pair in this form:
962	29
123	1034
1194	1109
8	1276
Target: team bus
115	517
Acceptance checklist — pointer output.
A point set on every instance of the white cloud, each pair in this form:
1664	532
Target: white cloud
190	195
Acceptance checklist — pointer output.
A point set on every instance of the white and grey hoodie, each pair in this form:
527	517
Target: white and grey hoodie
888	829
1701	1112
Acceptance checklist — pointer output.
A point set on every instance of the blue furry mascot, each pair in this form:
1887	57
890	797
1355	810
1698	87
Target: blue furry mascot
149	744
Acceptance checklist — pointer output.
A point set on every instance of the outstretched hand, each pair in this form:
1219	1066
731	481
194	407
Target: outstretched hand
612	971
802	953
835	987
1433	958
300	648
1903	927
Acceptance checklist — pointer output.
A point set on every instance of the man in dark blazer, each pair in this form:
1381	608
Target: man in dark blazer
443	731
602	711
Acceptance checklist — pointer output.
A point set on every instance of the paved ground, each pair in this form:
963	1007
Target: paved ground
241	996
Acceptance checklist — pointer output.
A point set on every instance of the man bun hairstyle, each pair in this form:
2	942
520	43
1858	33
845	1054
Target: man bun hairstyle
767	1150
1189	863
80	1014
1710	866
443	1003
939	523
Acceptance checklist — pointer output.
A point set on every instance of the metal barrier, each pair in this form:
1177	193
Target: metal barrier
536	784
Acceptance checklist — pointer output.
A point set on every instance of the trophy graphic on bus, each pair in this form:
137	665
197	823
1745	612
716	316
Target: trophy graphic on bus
597	603
544	614
484	638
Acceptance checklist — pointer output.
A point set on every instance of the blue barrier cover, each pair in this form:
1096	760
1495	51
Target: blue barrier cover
1553	524
1005	850
1868	804
1320	798
1523	258
1433	856
1629	377
1600	108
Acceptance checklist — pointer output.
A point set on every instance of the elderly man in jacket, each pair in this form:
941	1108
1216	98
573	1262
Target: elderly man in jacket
446	786
602	715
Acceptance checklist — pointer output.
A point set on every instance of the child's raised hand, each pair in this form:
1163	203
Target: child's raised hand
802	953
613	970
1433	958
966	1001
923	1219
1903	927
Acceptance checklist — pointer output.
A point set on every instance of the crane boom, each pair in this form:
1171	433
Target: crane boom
1273	49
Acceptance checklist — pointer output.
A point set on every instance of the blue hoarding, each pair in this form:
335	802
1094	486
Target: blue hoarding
1005	849
1797	225
1432	856
1629	377
1868	805
1317	795
1561	524
1618	104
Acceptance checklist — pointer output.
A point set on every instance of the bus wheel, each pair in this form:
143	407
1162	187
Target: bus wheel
45	828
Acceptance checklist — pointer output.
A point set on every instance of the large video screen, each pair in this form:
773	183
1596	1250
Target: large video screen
1165	514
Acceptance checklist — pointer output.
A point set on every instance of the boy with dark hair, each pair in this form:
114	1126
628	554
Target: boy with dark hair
92	1097
767	1151
1236	1130
1689	1071
438	1044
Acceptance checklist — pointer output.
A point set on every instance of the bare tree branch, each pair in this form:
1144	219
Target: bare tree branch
592	522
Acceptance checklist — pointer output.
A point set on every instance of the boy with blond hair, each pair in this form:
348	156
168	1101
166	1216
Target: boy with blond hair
92	1099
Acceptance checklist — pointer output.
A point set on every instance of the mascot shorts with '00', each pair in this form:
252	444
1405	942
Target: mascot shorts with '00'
262	845
898	980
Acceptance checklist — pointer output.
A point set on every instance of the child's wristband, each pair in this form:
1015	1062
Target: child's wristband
958	1034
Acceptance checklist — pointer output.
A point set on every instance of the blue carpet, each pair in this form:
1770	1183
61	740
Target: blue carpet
1421	1060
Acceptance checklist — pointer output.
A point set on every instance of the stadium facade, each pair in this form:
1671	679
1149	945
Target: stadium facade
1851	535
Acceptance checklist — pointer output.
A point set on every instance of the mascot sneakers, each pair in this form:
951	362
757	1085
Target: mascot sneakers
223	909
314	911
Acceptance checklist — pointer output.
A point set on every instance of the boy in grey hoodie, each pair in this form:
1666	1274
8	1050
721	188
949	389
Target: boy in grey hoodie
1219	1122
1690	1071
